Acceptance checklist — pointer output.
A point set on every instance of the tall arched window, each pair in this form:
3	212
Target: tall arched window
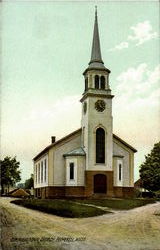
96	81
100	145
102	82
86	83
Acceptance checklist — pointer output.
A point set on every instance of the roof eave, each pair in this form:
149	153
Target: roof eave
125	143
55	143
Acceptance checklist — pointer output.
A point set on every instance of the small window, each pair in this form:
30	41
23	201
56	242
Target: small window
45	169
86	83
35	174
96	80
41	171
71	172
83	135
120	172
102	82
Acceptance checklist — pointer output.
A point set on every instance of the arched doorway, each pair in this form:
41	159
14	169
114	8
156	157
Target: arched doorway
100	183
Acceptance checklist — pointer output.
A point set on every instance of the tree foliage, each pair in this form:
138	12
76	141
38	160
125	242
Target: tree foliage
150	169
10	173
29	182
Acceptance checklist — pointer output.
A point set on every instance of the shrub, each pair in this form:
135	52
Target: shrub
148	195
157	194
137	193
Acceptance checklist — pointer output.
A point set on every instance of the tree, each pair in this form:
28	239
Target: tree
10	173
150	169
20	185
29	182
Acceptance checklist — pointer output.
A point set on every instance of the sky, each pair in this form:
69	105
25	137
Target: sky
46	47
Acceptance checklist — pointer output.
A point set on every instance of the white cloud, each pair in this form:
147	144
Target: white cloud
138	82
137	104
136	108
142	32
122	45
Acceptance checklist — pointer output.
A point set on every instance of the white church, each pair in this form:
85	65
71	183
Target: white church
91	161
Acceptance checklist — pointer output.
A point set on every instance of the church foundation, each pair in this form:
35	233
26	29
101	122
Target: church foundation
89	183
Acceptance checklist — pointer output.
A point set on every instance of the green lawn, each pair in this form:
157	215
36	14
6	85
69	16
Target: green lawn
63	208
118	203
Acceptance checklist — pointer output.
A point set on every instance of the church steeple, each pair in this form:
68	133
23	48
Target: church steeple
96	61
97	138
96	50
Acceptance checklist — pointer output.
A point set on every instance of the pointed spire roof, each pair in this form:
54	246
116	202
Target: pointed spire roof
96	61
96	50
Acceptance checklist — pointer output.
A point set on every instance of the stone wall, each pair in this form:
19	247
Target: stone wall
123	192
59	192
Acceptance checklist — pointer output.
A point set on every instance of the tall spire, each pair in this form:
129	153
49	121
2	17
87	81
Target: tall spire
96	50
96	58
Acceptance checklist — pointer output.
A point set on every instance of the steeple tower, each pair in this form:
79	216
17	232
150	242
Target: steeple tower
97	110
96	74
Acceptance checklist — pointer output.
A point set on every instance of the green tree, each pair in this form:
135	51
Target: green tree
10	173
150	169
29	182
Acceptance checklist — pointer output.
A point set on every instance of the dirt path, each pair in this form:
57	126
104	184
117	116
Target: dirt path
136	229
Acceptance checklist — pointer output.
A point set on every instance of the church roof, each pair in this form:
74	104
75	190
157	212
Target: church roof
76	152
19	193
124	143
45	150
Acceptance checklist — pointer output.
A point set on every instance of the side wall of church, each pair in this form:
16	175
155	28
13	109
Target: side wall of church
41	171
125	157
57	161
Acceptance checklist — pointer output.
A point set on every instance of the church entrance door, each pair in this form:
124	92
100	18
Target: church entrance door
100	183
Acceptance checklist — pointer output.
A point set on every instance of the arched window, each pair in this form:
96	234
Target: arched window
86	83
102	82
96	81
100	145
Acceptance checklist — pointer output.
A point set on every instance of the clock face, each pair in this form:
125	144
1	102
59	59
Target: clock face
84	107
100	105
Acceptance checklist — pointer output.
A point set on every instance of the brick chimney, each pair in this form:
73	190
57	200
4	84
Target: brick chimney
53	139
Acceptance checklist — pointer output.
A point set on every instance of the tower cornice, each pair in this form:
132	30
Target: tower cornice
96	95
96	68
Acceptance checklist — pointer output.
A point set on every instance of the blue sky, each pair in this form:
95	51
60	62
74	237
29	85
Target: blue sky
46	47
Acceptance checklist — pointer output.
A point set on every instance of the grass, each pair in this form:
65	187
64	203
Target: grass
63	208
118	203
